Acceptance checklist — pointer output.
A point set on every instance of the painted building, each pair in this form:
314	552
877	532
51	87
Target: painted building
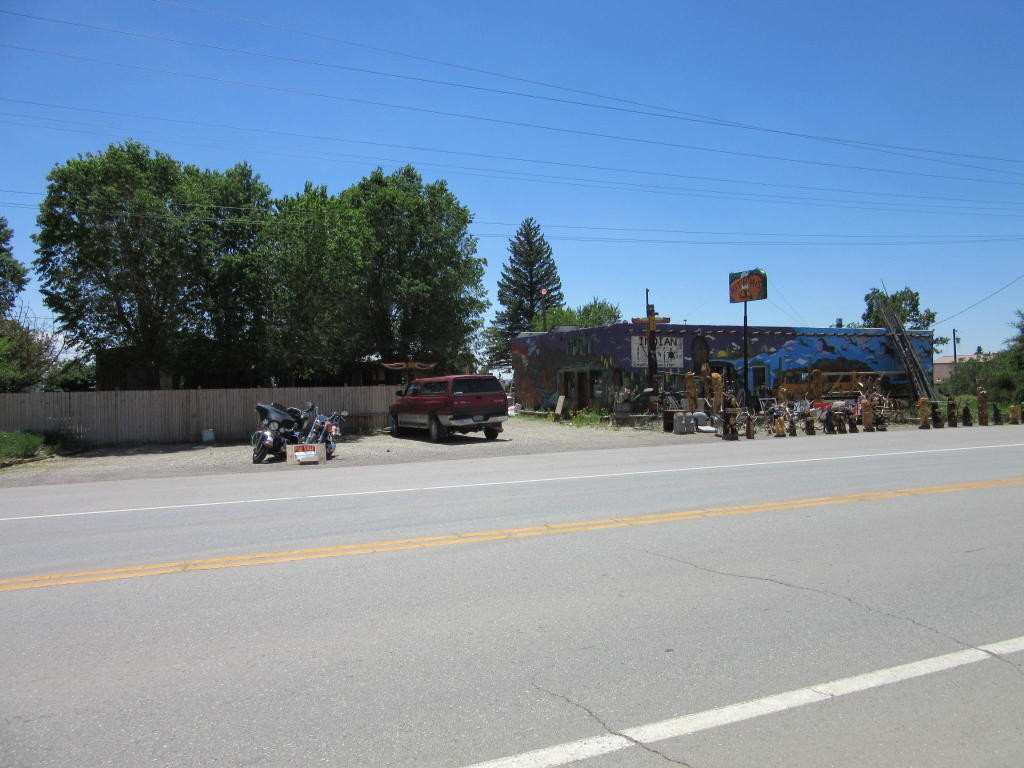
589	365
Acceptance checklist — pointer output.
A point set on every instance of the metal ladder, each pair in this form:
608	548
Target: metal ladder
919	381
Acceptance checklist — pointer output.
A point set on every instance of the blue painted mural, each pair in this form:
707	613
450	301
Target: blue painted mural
589	365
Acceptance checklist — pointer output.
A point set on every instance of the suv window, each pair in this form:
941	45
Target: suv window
412	389
435	387
469	386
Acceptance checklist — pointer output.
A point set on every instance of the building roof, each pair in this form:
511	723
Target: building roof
949	360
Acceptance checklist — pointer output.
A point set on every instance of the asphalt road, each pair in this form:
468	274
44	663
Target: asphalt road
826	601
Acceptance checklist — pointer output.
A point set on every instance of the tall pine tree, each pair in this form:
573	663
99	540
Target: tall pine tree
529	270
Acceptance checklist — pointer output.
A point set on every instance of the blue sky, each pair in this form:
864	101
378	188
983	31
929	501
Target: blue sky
660	145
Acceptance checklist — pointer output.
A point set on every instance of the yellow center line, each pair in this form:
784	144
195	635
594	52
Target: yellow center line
396	545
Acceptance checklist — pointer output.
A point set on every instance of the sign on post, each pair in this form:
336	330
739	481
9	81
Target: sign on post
751	285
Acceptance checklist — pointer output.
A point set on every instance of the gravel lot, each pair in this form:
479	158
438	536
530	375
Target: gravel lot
521	436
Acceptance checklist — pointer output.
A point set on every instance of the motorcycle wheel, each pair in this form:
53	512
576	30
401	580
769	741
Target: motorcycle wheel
259	451
330	449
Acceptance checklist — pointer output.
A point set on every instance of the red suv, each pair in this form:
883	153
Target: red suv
445	405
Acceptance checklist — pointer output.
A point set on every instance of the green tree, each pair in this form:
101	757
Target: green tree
140	253
907	305
420	280
1000	373
13	274
226	215
595	313
528	288
312	258
115	261
28	355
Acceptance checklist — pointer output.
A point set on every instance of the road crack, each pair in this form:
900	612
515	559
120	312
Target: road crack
839	596
608	729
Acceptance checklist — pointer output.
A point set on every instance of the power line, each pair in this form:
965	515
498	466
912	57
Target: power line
512	158
980	301
842	239
279	219
512	123
466	86
608	185
697	117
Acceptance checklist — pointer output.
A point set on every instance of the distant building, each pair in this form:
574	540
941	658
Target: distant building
944	365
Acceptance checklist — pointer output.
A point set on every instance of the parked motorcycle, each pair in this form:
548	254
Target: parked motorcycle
279	428
325	429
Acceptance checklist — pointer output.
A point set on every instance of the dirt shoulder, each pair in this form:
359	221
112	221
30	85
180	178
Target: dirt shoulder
521	436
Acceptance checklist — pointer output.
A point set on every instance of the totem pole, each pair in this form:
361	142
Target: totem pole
841	422
691	391
867	415
732	408
951	412
982	407
880	422
719	387
922	413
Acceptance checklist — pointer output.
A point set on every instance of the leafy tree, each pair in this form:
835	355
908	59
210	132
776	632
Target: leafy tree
595	313
1001	373
529	270
420	278
226	213
28	355
907	305
13	274
115	260
75	375
141	253
313	262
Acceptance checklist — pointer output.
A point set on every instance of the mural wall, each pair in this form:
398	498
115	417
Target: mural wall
589	365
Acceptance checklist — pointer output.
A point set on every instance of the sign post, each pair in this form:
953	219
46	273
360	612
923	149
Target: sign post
751	285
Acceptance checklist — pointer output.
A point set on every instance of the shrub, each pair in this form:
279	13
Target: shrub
19	445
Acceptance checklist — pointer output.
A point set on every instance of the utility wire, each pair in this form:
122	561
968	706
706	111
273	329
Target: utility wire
287	210
450	84
608	185
946	319
279	219
922	239
511	158
498	121
697	117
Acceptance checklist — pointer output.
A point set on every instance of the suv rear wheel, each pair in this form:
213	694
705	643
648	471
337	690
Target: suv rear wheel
437	432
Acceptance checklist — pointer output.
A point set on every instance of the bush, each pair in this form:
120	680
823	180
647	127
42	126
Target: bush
19	445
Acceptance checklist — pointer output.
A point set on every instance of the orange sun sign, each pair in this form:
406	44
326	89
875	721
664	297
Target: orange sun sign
751	285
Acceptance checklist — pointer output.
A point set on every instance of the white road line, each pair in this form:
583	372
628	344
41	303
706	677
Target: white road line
563	754
497	483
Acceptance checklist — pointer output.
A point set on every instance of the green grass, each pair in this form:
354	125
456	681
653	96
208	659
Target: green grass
19	445
582	418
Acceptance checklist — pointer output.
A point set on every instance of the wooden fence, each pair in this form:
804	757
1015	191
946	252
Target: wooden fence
180	416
